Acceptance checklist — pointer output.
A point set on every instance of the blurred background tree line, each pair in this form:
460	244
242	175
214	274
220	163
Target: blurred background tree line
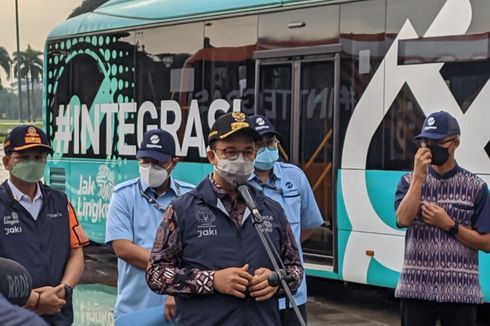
30	73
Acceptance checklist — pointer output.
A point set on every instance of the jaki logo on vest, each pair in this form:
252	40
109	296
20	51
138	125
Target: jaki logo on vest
205	217
207	232
10	222
206	226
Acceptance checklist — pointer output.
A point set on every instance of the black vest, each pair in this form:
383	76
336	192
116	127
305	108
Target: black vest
42	246
211	241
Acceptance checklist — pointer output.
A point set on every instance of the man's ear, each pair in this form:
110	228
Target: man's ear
6	161
211	155
456	144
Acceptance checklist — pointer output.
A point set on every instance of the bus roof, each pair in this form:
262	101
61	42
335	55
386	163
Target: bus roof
117	14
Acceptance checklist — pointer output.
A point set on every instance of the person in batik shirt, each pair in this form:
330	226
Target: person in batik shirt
207	252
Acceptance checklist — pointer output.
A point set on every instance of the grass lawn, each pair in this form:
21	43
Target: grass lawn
7	125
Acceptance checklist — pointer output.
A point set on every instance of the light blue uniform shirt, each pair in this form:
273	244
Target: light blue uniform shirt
32	206
289	186
131	217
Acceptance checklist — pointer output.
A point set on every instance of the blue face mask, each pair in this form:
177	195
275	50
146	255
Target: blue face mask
266	158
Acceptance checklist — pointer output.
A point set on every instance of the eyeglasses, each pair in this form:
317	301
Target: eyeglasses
430	142
271	144
232	154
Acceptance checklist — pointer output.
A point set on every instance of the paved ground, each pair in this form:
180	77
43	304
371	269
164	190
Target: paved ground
330	302
334	303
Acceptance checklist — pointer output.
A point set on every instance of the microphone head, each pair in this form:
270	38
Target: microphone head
239	186
15	282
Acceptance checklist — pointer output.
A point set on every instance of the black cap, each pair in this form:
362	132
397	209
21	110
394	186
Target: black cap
15	282
157	144
262	125
229	124
25	137
439	125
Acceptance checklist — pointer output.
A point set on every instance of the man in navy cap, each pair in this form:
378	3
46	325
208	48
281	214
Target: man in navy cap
286	184
207	252
39	226
134	214
446	210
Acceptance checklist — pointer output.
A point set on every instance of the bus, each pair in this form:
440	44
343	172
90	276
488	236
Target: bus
346	83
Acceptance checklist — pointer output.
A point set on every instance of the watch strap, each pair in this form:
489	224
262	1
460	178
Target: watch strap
454	229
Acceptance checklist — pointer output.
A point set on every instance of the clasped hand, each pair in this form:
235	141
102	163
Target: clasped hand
236	281
435	215
52	299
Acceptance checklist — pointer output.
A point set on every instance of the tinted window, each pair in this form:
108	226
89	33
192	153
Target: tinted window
169	68
362	34
229	71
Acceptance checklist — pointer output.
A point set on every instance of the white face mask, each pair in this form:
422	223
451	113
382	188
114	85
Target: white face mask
235	171
153	175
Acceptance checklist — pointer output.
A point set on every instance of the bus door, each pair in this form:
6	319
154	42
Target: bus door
297	90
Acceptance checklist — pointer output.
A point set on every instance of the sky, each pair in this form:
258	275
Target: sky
36	19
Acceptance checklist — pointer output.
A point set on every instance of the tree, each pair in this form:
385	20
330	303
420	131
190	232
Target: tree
30	69
87	6
21	71
5	62
35	70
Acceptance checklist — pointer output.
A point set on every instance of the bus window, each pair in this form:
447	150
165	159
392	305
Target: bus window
275	101
168	69
393	146
317	94
229	70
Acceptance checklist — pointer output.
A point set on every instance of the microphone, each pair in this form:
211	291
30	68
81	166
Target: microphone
243	190
15	282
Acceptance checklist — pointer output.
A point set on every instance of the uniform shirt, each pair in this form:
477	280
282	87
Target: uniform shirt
288	185
133	217
32	206
438	267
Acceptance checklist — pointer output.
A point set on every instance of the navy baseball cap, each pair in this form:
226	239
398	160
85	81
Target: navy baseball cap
262	125
439	125
26	137
229	124
157	144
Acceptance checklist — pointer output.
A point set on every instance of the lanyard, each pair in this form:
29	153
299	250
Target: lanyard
150	200
271	185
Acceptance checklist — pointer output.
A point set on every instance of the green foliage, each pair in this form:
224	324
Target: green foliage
30	69
86	6
5	62
9	105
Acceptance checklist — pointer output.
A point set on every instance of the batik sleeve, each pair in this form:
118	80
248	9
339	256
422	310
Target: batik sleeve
164	274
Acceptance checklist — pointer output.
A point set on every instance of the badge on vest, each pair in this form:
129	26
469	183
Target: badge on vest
266	225
205	219
54	215
10	224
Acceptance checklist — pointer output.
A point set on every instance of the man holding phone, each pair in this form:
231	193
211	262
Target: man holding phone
446	210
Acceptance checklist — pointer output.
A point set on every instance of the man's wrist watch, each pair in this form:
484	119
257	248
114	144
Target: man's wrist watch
453	230
68	289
